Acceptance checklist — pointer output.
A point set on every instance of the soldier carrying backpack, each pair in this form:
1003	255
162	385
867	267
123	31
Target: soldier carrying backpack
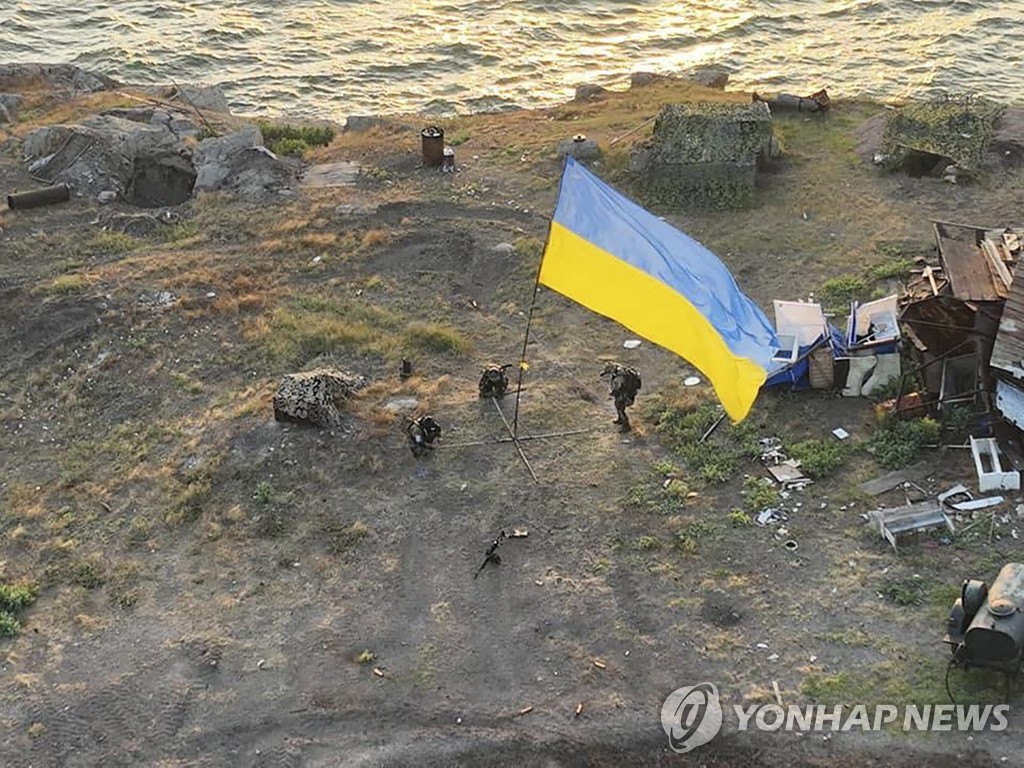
623	385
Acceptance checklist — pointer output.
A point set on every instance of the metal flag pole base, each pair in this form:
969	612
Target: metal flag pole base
515	441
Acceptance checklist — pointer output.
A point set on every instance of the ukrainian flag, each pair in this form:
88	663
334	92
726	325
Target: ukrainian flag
617	259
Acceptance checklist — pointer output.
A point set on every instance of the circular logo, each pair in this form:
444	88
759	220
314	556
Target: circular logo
691	716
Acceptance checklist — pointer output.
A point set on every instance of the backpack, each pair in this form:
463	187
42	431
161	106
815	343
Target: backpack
633	377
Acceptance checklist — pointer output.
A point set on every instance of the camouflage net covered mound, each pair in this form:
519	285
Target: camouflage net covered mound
315	396
960	129
703	154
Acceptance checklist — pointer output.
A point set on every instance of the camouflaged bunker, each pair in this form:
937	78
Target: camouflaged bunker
704	154
947	137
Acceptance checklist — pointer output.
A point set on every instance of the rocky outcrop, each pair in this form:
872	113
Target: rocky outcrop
9	104
144	164
316	396
578	147
213	157
178	123
139	156
590	92
62	77
240	163
709	77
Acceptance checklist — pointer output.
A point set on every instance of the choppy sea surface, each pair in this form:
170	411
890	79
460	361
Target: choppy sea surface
332	58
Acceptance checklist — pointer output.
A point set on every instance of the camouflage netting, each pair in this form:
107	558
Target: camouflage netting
958	129
315	396
703	154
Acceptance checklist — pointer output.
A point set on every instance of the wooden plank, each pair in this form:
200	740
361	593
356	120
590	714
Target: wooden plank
893	479
996	263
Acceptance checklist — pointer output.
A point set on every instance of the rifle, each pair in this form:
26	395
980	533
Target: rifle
492	555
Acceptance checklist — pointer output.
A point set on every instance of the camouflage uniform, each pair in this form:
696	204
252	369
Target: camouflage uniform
623	386
494	380
422	433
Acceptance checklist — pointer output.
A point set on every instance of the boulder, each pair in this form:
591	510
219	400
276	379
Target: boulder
363	123
161	179
107	153
66	77
9	103
710	77
213	157
1008	142
590	92
257	172
316	396
177	123
640	79
208	97
579	148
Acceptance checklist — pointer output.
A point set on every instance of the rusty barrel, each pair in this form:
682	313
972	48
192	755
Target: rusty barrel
60	193
433	146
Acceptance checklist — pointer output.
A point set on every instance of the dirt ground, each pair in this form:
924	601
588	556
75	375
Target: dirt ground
220	589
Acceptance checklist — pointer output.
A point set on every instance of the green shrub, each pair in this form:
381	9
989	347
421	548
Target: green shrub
9	624
838	292
14	597
904	591
819	458
689	537
294	139
896	442
891	269
647	543
759	493
88	573
293	147
437	339
740	519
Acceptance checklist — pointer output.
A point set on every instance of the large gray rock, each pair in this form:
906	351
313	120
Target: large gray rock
213	157
579	148
315	396
179	124
240	163
1008	142
9	103
142	163
205	97
590	92
640	79
65	77
363	123
710	77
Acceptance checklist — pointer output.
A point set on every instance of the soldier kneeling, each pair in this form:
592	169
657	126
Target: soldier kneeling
623	386
494	380
422	433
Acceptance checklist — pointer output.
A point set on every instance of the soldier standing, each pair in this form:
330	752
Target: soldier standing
623	386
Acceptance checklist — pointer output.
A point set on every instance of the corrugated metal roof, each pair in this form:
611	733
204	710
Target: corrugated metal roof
971	276
1008	351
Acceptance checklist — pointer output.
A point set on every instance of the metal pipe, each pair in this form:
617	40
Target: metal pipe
59	193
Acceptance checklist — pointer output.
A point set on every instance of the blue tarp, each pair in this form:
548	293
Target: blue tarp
797	375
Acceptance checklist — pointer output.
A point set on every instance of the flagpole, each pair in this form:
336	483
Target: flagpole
533	304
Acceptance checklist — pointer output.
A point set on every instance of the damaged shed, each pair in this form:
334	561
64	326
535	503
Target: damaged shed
952	314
